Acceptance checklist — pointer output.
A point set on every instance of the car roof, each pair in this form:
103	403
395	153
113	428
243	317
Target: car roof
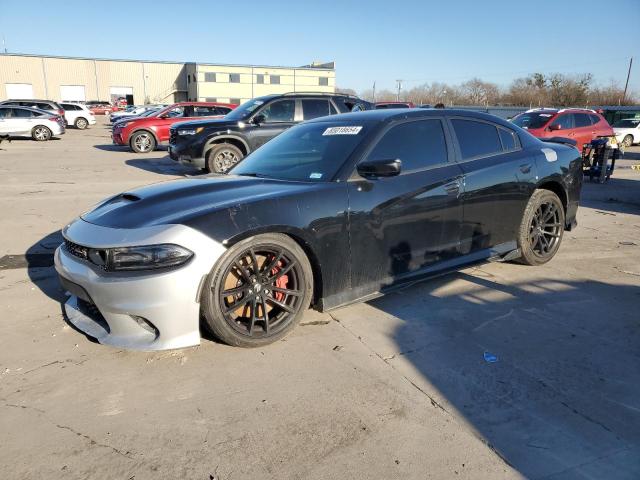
387	115
39	110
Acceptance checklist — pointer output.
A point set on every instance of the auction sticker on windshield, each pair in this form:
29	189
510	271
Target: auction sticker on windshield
342	131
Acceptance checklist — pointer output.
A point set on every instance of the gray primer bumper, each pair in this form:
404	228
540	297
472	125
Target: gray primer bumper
167	299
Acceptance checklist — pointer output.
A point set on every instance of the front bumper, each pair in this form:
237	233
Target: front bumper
147	310
117	138
187	154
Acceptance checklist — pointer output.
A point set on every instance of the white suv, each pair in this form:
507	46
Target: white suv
78	115
627	131
29	122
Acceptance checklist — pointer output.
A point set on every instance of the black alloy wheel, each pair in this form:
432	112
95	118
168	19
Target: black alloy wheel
542	228
259	291
544	231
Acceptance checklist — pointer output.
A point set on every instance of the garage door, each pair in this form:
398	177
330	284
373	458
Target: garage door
117	92
19	90
71	93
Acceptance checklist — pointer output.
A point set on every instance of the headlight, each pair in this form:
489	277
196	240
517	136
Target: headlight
146	257
190	131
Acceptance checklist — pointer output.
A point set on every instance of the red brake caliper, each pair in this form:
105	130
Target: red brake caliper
280	282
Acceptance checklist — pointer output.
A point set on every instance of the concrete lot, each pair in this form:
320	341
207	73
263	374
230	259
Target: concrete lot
393	388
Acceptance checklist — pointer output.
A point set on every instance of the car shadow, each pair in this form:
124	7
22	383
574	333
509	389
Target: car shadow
545	372
162	165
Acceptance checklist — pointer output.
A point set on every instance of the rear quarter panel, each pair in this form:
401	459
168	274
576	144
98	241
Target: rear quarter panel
562	164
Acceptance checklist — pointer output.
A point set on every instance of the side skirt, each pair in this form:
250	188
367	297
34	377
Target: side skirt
500	253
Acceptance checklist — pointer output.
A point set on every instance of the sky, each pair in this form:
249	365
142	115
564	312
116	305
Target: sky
381	41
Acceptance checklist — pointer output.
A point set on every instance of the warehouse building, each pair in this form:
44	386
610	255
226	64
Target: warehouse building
83	79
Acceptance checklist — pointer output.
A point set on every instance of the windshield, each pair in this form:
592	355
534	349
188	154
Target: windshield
627	123
312	152
246	109
532	119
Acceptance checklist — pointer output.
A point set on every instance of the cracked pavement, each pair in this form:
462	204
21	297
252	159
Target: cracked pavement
397	387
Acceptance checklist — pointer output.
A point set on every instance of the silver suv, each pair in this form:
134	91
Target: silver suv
46	105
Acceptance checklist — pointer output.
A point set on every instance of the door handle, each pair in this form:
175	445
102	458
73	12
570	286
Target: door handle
525	168
453	188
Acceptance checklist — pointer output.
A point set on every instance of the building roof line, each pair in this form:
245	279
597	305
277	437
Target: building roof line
323	66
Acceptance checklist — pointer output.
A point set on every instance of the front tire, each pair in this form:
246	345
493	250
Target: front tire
542	227
41	133
627	141
81	123
222	157
142	142
258	291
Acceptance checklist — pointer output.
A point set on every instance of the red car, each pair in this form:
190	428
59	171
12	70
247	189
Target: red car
101	108
579	124
380	105
143	134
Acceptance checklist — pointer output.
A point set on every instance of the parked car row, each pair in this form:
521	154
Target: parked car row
144	132
38	119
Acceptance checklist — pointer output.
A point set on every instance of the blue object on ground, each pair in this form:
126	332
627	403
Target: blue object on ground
490	357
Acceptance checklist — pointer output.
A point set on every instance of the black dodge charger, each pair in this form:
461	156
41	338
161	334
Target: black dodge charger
333	211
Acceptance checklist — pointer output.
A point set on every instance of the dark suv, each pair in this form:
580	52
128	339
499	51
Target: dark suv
218	144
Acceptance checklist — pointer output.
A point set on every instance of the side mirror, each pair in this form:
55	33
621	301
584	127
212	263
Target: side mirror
555	126
258	119
380	168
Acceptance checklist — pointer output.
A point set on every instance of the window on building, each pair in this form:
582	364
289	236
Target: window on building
476	139
234	78
260	78
314	108
323	81
418	145
209	77
274	79
237	101
188	78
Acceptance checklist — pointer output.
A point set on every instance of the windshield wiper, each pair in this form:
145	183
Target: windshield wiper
250	174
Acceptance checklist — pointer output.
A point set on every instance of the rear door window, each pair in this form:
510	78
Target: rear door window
200	111
564	121
314	108
279	111
22	113
476	139
418	145
594	118
509	140
581	120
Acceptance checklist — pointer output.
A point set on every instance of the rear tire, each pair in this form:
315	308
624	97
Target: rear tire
142	142
258	291
627	141
541	229
222	157
40	133
81	123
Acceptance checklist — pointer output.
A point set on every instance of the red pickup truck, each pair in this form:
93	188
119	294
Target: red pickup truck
143	134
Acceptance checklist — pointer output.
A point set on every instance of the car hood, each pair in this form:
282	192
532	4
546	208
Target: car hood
177	201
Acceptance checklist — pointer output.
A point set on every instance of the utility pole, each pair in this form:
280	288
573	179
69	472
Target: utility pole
626	85
399	89
374	91
4	44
